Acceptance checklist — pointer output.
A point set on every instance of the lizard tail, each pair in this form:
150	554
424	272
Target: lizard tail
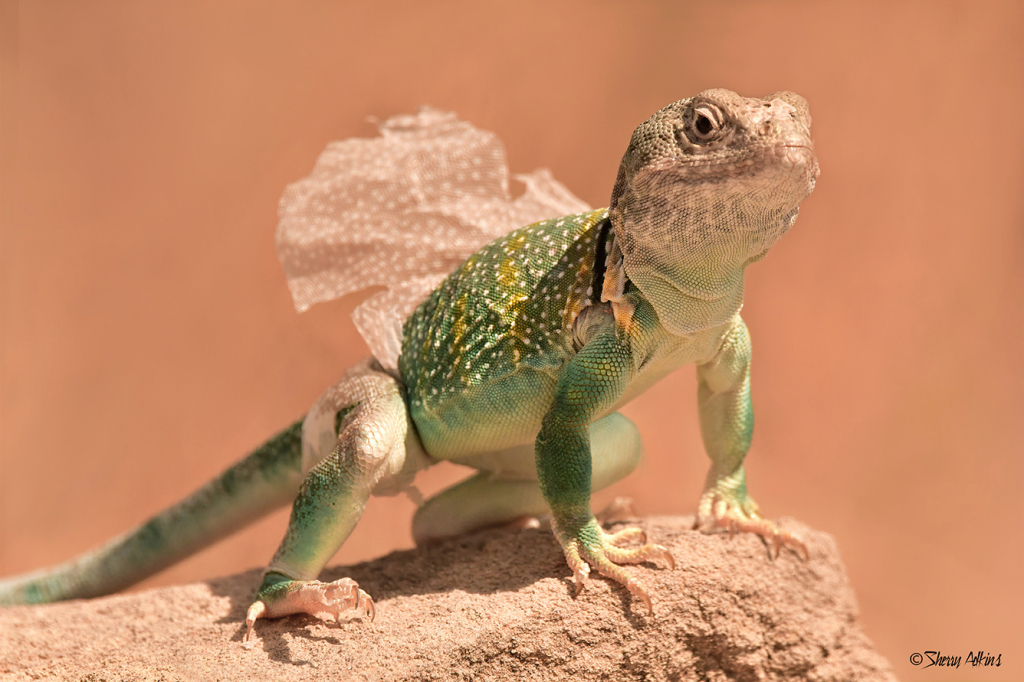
265	480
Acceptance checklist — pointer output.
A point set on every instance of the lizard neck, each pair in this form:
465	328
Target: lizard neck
689	298
690	270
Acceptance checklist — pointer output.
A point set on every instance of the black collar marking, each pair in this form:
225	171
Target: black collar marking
600	261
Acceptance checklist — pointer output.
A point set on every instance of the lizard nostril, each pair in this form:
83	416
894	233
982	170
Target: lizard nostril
766	128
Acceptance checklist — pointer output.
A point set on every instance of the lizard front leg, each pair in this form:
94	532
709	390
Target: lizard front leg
370	451
592	381
727	424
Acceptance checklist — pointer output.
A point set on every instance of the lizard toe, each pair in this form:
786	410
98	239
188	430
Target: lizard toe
720	510
594	547
313	597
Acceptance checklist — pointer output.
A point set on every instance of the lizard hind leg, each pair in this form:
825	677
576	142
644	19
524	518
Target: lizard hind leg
375	451
481	501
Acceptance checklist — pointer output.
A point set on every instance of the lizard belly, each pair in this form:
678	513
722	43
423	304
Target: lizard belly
499	414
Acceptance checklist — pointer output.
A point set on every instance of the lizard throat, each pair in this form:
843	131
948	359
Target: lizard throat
689	263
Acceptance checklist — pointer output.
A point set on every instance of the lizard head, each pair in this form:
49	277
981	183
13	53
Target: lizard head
712	165
706	185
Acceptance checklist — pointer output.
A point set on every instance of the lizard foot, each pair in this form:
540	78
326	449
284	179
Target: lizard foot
591	545
281	596
724	507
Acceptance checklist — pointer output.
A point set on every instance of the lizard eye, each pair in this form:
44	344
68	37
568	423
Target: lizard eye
703	123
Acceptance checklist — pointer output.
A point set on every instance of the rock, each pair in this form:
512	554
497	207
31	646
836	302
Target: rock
496	605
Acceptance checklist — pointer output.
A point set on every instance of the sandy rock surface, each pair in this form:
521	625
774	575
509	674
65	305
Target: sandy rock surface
496	605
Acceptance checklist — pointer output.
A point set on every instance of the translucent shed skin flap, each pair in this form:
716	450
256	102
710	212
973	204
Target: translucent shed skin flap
402	210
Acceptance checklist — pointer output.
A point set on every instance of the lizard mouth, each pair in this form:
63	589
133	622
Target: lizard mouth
801	156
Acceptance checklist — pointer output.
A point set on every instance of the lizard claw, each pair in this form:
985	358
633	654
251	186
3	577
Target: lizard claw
739	513
308	596
773	537
593	546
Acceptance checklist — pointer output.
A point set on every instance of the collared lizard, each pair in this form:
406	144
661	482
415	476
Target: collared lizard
516	364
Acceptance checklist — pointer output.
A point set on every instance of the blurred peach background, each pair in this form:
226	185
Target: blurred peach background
148	339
